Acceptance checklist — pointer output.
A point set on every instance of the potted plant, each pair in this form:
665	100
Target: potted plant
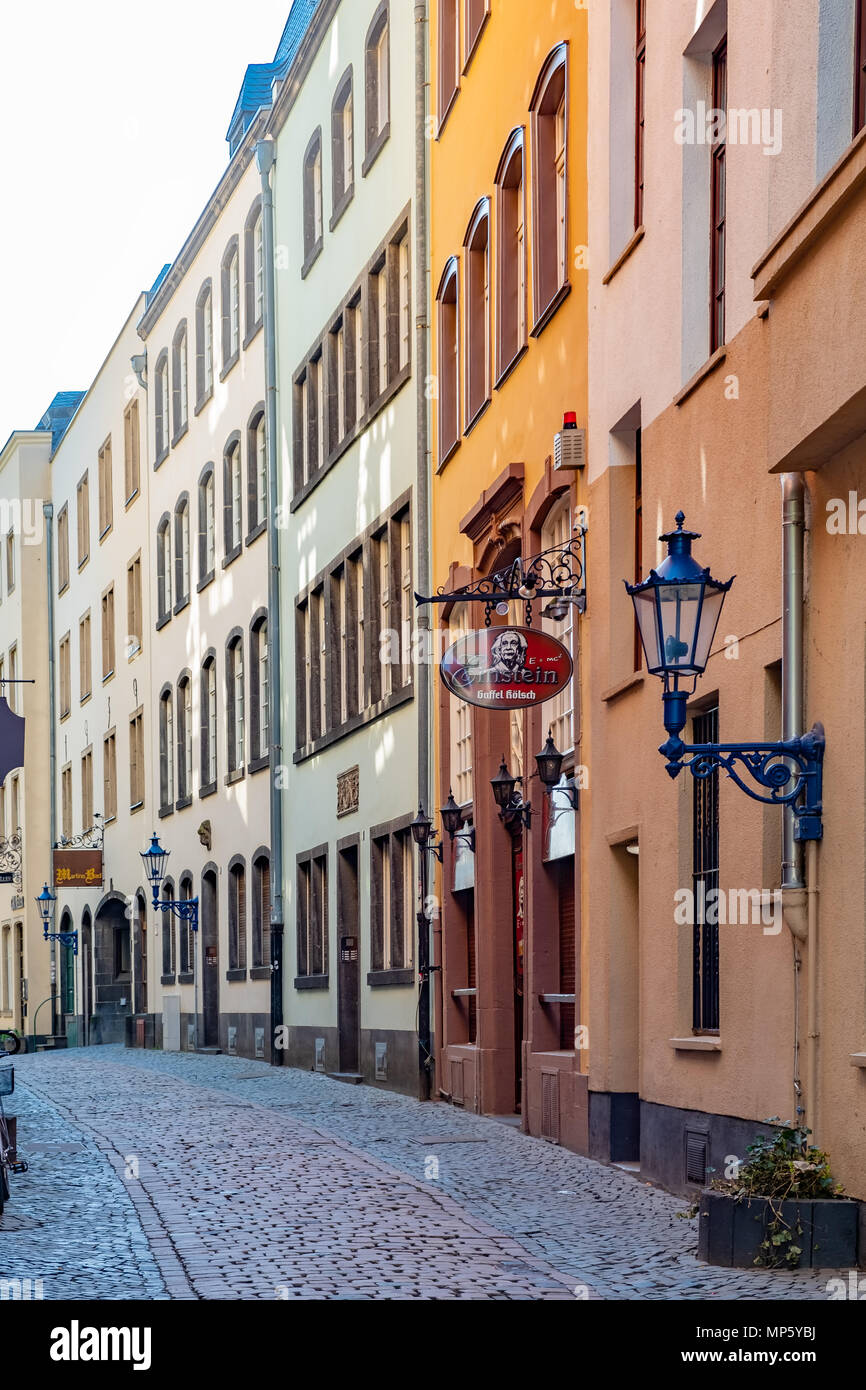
782	1209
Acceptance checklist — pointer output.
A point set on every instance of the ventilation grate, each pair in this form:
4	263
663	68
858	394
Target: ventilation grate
697	1143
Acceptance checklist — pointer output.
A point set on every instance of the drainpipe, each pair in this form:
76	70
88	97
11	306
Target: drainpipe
422	533
48	514
265	160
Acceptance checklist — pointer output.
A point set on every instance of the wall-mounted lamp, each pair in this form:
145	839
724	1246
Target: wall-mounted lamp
138	363
513	810
549	763
452	820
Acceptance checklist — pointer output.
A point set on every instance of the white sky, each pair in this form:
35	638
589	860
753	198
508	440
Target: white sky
112	126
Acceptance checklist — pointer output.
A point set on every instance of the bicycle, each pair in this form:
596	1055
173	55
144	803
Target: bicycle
10	1042
7	1086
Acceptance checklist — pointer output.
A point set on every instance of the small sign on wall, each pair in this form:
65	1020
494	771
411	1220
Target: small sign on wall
347	792
78	868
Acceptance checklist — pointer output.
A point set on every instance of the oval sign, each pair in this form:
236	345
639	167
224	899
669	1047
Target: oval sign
506	667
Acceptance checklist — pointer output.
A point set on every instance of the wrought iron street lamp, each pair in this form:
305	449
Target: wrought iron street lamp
549	763
452	820
422	834
45	902
678	607
512	808
185	909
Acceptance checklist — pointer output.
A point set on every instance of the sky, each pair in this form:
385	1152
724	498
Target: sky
112	137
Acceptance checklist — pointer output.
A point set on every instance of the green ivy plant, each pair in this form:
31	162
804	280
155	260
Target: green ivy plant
781	1167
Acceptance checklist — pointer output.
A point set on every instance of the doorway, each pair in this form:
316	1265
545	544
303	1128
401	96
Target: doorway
349	960
518	937
139	954
87	977
210	960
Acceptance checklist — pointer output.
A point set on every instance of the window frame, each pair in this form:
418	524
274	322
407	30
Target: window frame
254	271
204	345
477	274
206	526
209	726
448	293
161	409
230	306
179	383
508	349
549	289
312	201
342	187
377	131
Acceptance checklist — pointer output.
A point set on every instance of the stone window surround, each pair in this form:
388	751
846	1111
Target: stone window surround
508	351
203	393
448	293
312	244
207	788
311	857
341	196
257	525
205	576
380	976
476	357
257	763
251	323
543	245
231	551
184	800
237	870
229	358
180	425
161	409
375	138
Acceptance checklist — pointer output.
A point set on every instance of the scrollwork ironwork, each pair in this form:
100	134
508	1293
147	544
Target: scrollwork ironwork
558	572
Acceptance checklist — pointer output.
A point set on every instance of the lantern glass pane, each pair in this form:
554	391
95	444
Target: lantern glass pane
645	612
680	609
710	614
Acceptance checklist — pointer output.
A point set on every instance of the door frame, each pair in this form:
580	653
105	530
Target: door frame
210	984
349	971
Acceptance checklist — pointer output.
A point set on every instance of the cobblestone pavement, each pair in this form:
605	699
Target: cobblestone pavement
217	1177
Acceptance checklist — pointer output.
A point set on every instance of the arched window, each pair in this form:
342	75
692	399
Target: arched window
169	953
232	511
180	389
235	700
259	685
261	909
549	108
166	750
208	723
511	253
377	64
477	315
163	568
237	915
206	526
312	196
559	713
231	305
187	935
181	549
447	316
161	407
448	57
342	146
254	269
257	469
184	737
204	345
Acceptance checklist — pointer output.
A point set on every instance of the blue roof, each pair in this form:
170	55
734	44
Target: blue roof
256	88
149	294
59	414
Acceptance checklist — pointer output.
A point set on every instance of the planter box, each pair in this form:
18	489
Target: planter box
730	1232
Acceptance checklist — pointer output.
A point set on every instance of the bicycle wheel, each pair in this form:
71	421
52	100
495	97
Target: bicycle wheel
4	1187
9	1043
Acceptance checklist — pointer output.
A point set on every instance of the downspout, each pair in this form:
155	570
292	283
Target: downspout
48	514
265	160
422	533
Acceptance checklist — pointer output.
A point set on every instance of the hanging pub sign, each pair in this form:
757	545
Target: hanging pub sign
506	667
78	868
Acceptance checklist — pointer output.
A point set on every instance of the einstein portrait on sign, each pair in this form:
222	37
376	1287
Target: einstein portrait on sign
507	656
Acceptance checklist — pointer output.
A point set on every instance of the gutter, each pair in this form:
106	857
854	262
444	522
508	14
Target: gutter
265	160
48	513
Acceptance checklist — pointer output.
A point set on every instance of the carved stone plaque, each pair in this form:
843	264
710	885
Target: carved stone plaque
347	792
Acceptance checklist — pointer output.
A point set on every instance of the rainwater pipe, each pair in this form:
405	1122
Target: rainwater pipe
48	514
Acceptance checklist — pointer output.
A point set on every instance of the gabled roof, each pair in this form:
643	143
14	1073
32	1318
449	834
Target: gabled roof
257	87
59	414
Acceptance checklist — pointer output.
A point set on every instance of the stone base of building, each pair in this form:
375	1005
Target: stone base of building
678	1146
555	1100
389	1057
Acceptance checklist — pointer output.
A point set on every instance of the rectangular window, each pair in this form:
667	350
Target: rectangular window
234	305
66	800
10	562
136	761
65	676
639	112
87	790
131	454
109	776
338	389
62	549
13	677
356	656
258	270
357	322
449	54
719	200
380	296
133	606
84	658
407	606
405	306
705	878
109	633
460	722
638	540
106	497
83	504
312	914
391	902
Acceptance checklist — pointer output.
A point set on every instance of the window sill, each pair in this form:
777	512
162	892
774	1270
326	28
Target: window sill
374	149
448	455
506	371
208	396
166	980
203	583
253	333
165	811
131	656
63	588
237	775
129	501
136	806
311	982
258	530
82	563
181	604
231	362
186	978
234	977
110	820
715	360
109	676
259	764
260	972
470	424
390	979
547	314
207	790
161	622
64	715
182	803
232	555
696	1044
473	47
858	1059
160	459
340	206
449	107
310	261
633	242
106	532
631	682
85	699
178	436
358	721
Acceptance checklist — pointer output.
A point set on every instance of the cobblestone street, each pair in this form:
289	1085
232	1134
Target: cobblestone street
170	1175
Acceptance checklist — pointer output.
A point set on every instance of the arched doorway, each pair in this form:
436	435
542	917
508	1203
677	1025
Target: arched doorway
139	952
87	975
210	958
66	1001
112	983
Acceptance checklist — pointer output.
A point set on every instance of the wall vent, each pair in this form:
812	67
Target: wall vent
696	1153
550	1106
457	1083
